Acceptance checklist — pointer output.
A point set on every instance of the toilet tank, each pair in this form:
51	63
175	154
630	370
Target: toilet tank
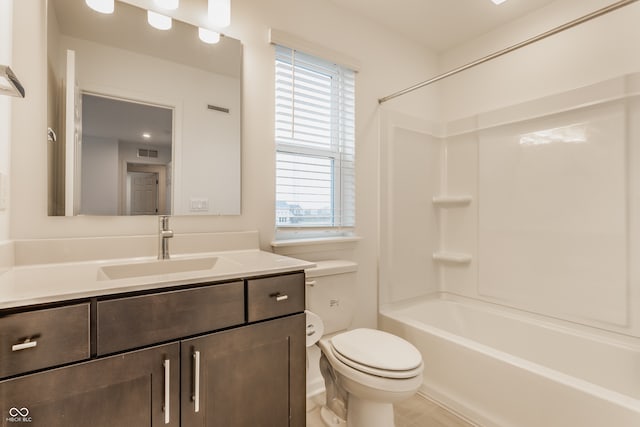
331	293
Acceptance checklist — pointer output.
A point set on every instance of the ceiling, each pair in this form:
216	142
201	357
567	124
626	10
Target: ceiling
126	121
441	24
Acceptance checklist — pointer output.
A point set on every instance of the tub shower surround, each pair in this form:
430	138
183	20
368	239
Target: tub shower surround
531	213
502	368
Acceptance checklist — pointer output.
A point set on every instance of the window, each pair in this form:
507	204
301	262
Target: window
315	169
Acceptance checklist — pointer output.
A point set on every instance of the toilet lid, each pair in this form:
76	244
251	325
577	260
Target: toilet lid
376	349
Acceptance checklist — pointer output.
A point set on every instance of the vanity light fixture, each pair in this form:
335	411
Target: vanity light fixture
208	36
102	6
220	13
498	1
168	4
156	20
146	135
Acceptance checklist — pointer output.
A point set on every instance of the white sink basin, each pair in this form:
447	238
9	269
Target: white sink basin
156	267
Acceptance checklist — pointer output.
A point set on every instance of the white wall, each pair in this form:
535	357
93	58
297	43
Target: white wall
551	229
6	12
593	51
387	63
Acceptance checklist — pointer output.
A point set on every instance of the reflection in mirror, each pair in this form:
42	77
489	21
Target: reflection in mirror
114	78
130	143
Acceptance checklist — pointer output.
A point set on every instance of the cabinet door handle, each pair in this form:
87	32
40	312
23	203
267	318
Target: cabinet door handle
167	391
196	381
24	345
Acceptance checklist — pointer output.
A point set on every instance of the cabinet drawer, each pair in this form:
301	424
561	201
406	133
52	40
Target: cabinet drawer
132	322
275	296
43	338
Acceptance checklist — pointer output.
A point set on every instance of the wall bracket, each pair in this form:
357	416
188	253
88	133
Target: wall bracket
9	83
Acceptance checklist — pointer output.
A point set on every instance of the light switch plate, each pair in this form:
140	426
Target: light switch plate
199	205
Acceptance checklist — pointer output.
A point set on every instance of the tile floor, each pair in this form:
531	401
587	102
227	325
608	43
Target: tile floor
415	412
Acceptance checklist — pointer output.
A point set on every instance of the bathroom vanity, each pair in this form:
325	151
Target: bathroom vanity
224	349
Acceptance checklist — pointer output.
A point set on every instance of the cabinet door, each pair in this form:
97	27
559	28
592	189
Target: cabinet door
131	389
253	376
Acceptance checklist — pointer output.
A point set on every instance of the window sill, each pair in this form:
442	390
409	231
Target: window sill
314	241
289	246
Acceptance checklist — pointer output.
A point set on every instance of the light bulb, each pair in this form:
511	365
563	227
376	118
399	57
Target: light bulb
208	36
220	13
168	4
498	1
158	21
102	6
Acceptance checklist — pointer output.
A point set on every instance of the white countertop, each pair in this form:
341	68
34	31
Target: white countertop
47	283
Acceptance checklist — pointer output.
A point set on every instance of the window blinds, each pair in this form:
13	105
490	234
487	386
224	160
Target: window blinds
315	158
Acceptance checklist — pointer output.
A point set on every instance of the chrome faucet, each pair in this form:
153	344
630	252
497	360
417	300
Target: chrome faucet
163	235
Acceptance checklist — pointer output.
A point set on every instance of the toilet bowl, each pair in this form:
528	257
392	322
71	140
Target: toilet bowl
376	369
365	370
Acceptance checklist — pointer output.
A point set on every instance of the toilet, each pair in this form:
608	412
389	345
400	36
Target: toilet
364	370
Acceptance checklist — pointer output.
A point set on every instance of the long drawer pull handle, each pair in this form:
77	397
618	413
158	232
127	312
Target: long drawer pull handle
196	381
24	345
279	297
167	391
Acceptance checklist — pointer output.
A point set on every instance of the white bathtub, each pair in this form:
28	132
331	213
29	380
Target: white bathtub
502	368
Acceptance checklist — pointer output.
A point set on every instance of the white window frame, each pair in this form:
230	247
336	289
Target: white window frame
340	151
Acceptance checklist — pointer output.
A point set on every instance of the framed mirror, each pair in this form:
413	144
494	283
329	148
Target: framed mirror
142	121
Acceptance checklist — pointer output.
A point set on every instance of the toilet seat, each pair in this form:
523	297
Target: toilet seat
377	353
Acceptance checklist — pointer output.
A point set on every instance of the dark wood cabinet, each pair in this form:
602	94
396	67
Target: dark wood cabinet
133	322
274	296
253	376
43	338
131	389
225	354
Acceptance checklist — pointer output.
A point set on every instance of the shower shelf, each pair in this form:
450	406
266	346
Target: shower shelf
452	257
451	201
